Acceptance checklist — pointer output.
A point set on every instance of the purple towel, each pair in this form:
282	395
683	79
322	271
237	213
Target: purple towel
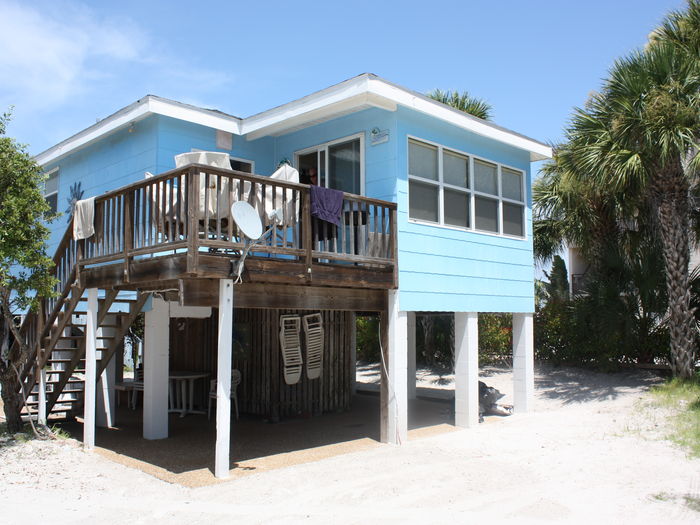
326	204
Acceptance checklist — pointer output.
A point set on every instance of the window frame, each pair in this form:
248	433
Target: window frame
324	147
58	183
472	192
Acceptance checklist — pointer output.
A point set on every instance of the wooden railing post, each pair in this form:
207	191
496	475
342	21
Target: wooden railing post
79	253
128	232
307	233
394	245
192	220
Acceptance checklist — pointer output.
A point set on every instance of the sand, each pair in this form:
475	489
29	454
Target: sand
592	451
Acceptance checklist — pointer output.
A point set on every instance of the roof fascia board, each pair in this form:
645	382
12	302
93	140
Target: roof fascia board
137	111
323	113
195	115
132	113
333	95
537	150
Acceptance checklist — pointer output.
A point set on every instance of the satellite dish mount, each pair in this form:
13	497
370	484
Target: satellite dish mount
250	225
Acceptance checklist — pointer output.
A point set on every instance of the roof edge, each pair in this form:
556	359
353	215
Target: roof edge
366	83
142	108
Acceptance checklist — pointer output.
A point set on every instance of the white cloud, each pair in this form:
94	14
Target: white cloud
48	53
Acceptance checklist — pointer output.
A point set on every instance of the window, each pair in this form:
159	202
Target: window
337	165
51	191
450	188
241	165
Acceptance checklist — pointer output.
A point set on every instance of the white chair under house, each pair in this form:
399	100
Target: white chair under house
235	381
313	334
290	346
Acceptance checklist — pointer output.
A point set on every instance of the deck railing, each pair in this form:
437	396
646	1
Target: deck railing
189	209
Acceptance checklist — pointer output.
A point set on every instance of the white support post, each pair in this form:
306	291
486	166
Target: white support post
41	416
155	371
466	369
90	370
411	357
223	379
523	362
394	413
106	394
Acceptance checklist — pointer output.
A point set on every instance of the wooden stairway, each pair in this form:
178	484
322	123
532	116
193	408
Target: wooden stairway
62	352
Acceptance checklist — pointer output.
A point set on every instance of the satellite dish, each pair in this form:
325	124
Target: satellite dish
247	219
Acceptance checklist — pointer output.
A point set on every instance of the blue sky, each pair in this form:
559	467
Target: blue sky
65	64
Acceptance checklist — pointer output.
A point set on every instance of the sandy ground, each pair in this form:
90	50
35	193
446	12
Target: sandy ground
591	452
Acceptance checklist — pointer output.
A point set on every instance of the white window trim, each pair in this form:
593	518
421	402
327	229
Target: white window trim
239	159
324	146
473	193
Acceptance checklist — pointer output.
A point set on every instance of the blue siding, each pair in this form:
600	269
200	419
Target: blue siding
176	136
123	157
443	269
114	161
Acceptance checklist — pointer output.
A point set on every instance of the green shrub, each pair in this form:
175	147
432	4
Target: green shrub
495	338
367	339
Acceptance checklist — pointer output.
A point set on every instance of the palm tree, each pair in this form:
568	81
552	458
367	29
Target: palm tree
463	102
635	136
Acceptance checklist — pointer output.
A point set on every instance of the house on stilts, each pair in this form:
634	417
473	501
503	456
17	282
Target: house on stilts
432	213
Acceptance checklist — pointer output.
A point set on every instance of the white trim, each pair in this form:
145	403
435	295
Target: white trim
324	146
361	92
471	191
538	151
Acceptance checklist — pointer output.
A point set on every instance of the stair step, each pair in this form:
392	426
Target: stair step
101	326
69	382
59	402
79	337
53	411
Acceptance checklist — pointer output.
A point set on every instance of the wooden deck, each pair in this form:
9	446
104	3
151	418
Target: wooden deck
175	232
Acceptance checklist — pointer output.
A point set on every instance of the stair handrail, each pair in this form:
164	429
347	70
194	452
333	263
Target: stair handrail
40	322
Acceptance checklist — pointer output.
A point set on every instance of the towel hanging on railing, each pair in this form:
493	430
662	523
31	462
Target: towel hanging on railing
84	219
326	204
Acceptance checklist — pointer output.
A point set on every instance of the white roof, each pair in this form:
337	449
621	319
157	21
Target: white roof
361	92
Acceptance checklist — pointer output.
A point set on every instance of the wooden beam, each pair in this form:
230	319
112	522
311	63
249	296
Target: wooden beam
258	270
204	292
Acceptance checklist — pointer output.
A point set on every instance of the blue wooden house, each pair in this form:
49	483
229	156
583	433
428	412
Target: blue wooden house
435	217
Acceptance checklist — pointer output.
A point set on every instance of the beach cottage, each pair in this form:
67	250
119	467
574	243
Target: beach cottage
431	213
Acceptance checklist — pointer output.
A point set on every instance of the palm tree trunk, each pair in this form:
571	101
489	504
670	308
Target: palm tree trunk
670	202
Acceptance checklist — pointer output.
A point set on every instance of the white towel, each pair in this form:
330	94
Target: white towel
84	219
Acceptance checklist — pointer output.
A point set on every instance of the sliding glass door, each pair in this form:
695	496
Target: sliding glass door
336	165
